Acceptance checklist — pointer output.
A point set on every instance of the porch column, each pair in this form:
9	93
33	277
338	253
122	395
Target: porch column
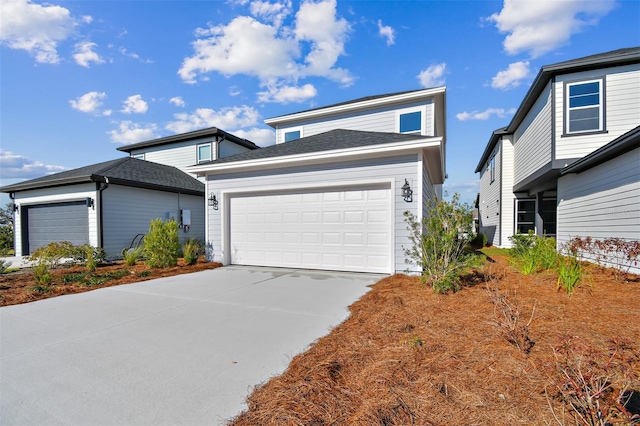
539	210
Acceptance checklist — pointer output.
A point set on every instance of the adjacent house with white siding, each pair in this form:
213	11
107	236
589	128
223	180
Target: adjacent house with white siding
331	193
109	204
567	164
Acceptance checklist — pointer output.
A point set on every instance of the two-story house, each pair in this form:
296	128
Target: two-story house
568	164
111	204
331	193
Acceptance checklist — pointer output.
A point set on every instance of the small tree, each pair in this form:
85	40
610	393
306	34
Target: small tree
161	244
439	242
6	229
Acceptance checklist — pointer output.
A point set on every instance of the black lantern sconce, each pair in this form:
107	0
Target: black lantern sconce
213	201
16	208
407	192
89	202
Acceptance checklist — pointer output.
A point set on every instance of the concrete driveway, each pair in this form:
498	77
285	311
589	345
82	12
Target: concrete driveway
179	350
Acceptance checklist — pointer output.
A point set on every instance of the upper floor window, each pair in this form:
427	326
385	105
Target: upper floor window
204	153
492	167
585	108
410	122
139	156
293	134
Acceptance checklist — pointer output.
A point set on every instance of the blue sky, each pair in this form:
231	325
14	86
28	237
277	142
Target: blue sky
81	78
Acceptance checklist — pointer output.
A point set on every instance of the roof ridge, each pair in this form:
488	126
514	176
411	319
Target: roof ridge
112	164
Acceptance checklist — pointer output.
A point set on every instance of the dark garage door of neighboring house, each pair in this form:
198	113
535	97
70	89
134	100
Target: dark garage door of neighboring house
48	223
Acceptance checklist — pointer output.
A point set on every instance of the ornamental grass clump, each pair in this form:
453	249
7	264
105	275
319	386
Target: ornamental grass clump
533	253
190	250
161	245
439	243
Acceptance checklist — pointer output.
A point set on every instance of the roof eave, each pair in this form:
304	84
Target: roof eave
26	186
432	92
183	137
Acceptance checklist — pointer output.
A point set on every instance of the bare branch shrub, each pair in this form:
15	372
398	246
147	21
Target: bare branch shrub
507	312
613	252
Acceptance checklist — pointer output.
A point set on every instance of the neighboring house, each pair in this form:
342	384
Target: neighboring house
108	204
187	149
332	192
567	164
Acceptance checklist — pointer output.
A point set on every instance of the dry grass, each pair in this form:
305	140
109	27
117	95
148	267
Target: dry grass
407	356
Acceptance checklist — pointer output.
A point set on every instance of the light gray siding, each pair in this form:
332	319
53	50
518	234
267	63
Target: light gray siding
507	199
373	120
533	144
601	202
394	169
489	206
429	190
128	212
622	109
180	155
227	148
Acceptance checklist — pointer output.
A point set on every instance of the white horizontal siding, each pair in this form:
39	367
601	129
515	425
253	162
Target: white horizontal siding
180	155
622	108
532	147
374	120
603	202
128	211
507	201
489	206
396	169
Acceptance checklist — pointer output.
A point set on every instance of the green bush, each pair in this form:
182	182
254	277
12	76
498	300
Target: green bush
570	270
439	243
131	256
161	244
53	253
533	253
479	241
190	250
41	274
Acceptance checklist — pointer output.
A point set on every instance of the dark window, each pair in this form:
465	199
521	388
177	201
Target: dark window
492	166
411	122
525	216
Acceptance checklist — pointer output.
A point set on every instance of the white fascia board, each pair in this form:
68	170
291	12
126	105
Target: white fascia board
368	151
275	121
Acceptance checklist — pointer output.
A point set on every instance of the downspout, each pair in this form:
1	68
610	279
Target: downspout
101	186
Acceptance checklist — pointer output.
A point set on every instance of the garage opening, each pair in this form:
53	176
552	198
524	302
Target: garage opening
47	223
346	229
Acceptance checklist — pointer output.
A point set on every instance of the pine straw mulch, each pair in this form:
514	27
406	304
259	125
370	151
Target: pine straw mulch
407	356
20	287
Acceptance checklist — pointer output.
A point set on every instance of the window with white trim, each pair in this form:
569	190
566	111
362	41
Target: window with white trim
293	134
138	156
411	121
584	107
492	168
204	153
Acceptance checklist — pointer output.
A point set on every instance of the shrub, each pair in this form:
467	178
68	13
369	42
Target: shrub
569	270
161	244
4	265
88	255
479	241
533	253
190	250
439	241
41	273
53	253
616	252
131	256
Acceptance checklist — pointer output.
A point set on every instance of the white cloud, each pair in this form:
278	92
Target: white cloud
261	137
35	28
485	115
386	32
433	76
540	26
229	119
512	76
134	55
89	102
17	166
134	104
84	54
286	94
234	91
177	101
87	19
129	132
271	12
270	51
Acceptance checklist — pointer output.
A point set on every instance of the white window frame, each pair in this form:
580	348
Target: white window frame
423	118
568	109
198	159
291	130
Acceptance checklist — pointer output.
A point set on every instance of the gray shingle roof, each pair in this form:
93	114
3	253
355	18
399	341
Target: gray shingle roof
327	141
196	134
123	171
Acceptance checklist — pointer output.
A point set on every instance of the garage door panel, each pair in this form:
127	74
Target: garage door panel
49	223
336	230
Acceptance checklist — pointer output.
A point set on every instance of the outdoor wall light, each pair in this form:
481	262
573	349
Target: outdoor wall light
407	192
16	207
213	201
89	202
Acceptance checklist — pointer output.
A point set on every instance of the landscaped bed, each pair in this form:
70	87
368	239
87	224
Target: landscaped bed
506	349
21	287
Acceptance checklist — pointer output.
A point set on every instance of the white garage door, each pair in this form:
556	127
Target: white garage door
339	230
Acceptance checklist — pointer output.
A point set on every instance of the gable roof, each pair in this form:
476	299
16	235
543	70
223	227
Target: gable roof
126	171
359	104
621	145
614	58
334	145
183	137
